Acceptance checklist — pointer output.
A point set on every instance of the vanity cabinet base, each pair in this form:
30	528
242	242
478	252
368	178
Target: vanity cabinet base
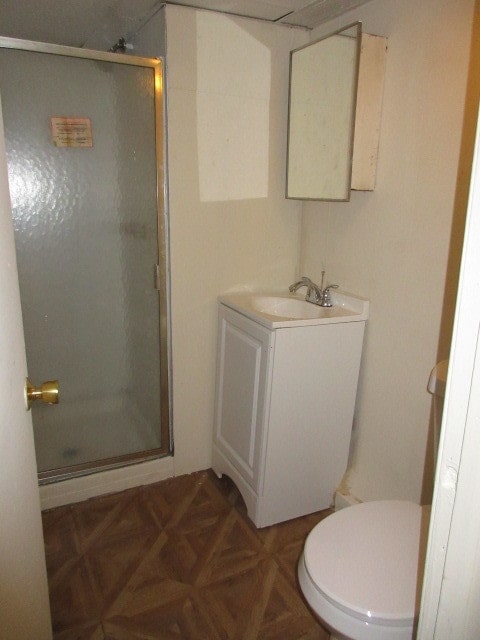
284	412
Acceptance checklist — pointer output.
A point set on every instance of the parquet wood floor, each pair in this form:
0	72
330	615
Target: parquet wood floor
175	560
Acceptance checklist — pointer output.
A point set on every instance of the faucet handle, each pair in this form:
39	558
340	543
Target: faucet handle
326	301
330	286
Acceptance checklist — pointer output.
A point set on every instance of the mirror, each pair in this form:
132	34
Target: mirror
321	116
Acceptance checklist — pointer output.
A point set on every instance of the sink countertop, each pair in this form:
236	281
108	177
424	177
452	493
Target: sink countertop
277	310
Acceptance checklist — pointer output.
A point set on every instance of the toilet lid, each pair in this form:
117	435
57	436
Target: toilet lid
365	559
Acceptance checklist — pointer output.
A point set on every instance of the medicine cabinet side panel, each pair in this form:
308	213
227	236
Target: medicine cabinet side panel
242	372
373	58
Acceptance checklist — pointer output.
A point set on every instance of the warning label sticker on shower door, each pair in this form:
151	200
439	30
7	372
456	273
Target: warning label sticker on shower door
71	132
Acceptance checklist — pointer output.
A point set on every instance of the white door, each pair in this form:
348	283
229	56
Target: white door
24	607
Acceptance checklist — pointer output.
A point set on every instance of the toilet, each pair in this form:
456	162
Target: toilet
361	568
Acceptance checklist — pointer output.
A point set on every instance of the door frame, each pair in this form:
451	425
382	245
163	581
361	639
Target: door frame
451	588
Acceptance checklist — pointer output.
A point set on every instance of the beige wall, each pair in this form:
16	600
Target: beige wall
231	227
392	245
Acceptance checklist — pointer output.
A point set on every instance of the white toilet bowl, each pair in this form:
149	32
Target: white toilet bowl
360	570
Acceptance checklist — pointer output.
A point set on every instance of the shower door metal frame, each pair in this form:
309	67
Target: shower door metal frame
160	274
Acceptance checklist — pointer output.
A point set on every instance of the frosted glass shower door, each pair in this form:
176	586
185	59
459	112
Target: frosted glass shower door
82	142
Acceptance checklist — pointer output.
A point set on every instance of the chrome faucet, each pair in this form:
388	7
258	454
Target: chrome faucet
315	294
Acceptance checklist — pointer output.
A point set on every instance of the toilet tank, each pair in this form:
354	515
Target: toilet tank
436	386
438	379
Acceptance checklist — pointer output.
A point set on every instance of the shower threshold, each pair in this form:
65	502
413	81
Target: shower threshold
90	436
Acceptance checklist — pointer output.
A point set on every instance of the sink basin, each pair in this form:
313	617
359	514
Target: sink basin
287	307
276	310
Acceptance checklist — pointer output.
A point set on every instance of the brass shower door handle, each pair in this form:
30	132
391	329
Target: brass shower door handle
47	392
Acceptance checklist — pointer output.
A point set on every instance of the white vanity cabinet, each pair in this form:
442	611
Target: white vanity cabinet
284	410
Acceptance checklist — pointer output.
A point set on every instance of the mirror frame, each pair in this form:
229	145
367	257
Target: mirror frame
342	30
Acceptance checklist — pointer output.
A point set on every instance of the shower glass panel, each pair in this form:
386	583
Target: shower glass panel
84	135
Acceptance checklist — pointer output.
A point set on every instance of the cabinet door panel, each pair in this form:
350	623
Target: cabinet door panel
241	395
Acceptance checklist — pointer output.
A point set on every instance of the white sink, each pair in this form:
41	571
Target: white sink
277	310
286	307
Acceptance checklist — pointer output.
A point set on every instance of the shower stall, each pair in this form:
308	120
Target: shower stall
85	150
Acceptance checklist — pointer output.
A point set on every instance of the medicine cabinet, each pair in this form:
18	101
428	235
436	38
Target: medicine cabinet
336	89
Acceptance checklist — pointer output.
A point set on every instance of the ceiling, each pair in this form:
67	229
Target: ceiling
76	22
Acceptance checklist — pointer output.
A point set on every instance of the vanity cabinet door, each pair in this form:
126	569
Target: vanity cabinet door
243	376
